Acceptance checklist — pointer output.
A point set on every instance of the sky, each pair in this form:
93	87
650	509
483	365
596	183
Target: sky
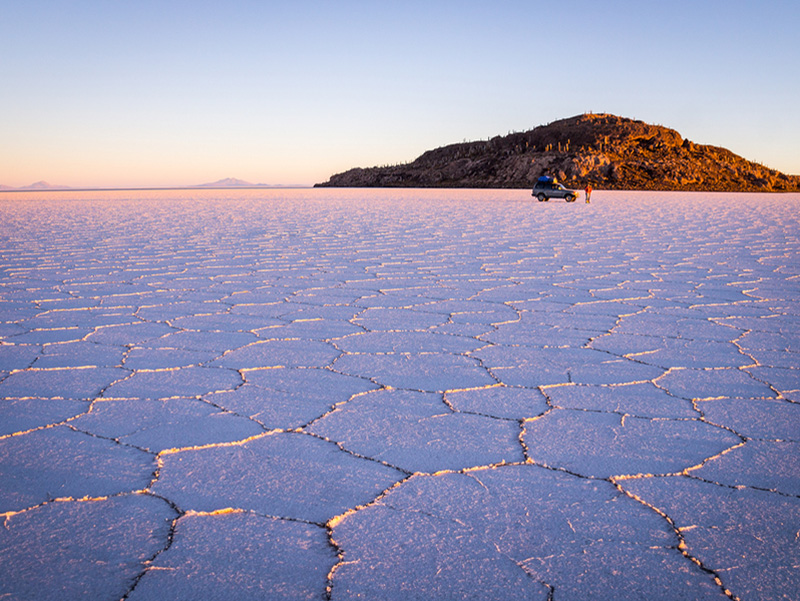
171	92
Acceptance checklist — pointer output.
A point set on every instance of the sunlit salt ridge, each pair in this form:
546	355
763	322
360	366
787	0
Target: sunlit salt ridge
409	394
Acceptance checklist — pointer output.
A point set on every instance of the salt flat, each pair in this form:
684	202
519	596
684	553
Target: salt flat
341	394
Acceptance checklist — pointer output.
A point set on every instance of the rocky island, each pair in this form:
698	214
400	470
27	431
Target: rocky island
605	150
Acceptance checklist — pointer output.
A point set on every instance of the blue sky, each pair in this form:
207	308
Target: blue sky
163	93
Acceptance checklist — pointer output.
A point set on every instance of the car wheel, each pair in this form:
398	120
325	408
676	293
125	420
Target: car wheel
570	198
541	197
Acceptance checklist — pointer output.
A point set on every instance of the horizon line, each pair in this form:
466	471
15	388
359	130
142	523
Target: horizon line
133	188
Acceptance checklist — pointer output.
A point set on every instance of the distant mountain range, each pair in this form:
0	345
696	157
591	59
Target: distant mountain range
37	186
607	151
232	182
228	182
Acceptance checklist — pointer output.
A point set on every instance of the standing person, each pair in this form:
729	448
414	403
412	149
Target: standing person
588	191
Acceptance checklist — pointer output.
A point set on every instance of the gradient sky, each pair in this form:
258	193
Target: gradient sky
168	93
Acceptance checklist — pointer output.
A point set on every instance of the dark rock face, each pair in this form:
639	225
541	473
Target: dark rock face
607	151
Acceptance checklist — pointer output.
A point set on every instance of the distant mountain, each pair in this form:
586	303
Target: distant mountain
230	182
43	185
605	150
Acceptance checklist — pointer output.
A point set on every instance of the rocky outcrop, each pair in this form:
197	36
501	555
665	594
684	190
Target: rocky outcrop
607	151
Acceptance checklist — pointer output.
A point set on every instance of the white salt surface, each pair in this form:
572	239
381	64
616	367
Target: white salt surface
341	394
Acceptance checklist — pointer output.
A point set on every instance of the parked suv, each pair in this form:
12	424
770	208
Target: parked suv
546	188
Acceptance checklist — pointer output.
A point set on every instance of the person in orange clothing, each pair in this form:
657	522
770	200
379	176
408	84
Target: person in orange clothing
588	191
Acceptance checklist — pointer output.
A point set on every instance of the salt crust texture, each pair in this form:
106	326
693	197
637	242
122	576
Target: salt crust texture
341	394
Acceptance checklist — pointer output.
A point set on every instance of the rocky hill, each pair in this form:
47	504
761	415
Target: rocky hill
607	151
